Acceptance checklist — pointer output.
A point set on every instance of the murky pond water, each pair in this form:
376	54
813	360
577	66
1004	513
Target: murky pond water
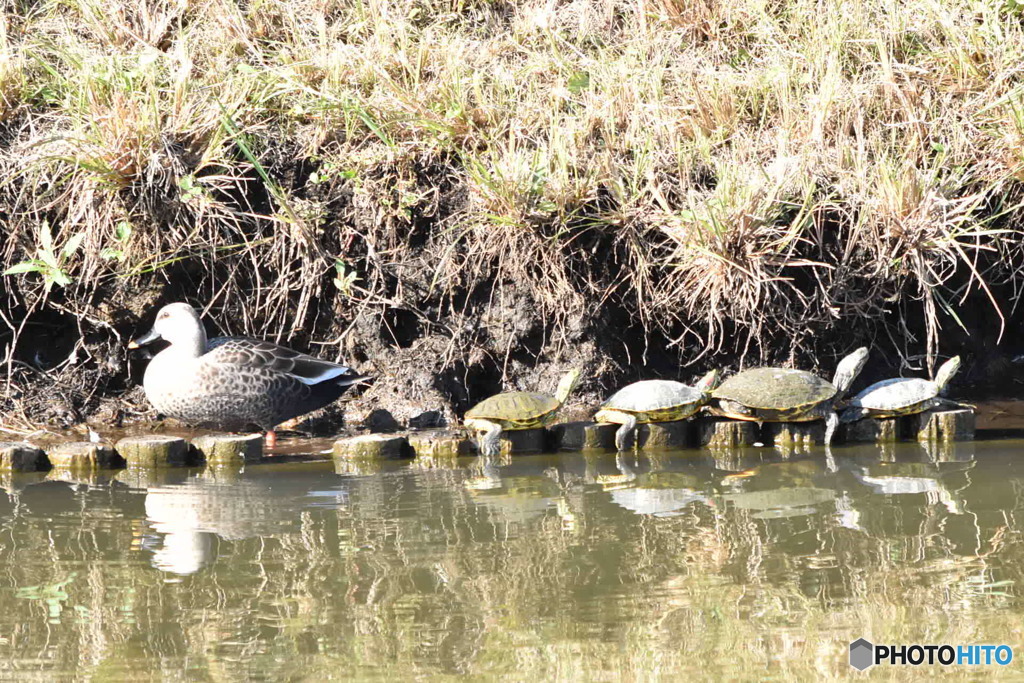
582	567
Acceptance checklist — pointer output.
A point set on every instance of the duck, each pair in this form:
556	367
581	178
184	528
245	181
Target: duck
234	383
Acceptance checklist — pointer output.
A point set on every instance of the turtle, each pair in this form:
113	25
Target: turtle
902	395
516	410
654	400
787	395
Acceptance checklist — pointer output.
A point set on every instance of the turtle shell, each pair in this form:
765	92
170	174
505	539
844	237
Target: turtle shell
515	406
775	389
653	395
899	395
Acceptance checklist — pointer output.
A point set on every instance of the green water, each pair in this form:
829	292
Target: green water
568	567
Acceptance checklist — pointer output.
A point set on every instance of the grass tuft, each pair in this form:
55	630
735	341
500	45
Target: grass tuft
730	178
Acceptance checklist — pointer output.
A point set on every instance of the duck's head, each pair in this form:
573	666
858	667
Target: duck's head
177	323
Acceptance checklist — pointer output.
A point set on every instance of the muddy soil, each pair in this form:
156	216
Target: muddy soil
434	317
423	377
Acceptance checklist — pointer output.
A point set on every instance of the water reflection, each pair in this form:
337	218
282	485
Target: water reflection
190	512
511	498
525	567
786	489
657	492
189	515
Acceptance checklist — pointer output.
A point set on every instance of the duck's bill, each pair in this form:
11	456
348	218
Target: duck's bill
147	338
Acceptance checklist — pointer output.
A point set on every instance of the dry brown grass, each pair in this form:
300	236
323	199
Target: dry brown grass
732	176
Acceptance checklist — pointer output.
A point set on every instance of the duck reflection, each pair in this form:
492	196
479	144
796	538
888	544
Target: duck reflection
193	515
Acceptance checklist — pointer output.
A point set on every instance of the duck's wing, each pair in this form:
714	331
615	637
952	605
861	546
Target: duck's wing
242	352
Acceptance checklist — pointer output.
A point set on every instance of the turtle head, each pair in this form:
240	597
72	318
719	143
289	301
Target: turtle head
567	384
946	372
708	382
848	369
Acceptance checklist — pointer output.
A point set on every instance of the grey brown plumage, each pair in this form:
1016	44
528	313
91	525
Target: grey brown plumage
234	383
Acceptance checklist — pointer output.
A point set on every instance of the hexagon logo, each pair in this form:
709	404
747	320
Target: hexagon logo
862	654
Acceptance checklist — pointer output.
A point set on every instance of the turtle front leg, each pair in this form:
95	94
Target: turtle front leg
831	423
624	435
488	440
831	417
